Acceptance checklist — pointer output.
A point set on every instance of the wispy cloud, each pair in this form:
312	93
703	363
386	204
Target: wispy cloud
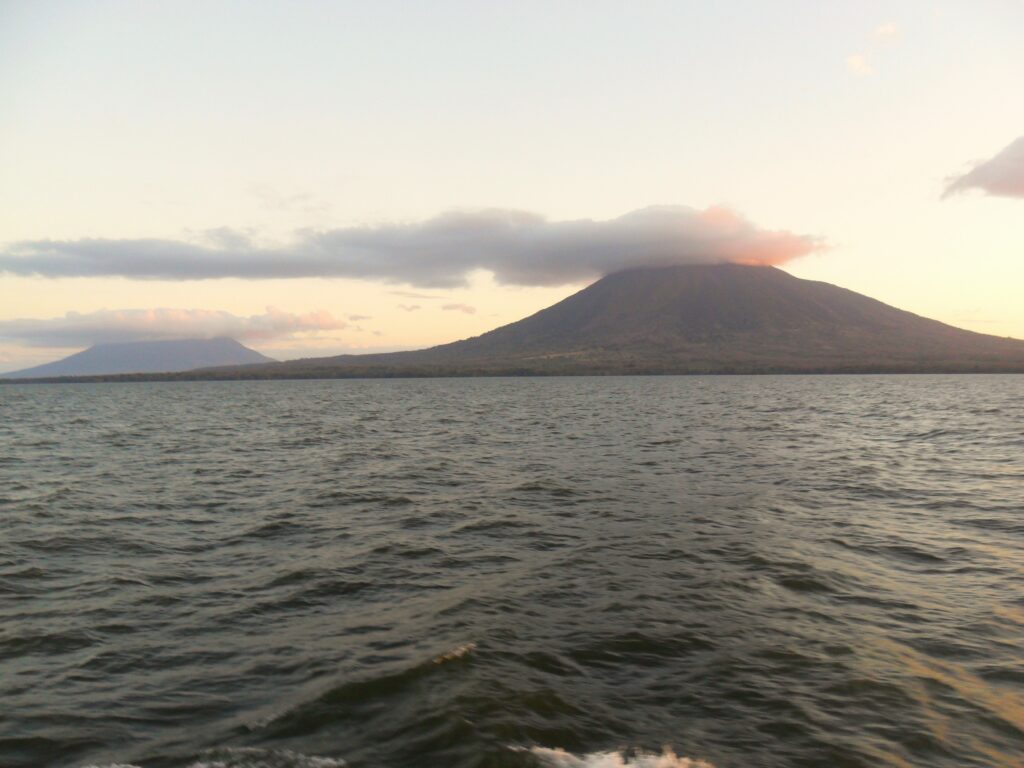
1002	175
274	200
858	64
519	248
409	307
887	32
460	308
414	295
83	329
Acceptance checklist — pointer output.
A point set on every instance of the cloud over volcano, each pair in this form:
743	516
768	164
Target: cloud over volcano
518	247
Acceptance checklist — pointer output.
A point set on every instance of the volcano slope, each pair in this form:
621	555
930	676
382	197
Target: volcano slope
723	318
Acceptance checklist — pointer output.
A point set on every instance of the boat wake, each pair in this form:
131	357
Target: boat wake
251	757
559	758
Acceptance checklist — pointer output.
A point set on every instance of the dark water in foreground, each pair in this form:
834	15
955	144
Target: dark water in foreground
791	571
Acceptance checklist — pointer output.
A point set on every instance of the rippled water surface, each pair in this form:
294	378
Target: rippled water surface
764	571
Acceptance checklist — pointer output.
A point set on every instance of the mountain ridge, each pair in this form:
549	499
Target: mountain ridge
161	356
693	319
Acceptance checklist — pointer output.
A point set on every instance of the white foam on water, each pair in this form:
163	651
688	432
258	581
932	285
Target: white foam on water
559	758
262	722
455	653
252	757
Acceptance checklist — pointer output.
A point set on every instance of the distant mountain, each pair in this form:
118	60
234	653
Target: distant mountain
147	357
723	318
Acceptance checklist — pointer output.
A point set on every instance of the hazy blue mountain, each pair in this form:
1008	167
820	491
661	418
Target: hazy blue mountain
147	357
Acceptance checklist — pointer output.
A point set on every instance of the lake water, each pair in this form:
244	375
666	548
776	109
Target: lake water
750	571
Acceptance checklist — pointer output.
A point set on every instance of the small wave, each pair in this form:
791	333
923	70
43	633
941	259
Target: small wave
455	653
498	525
273	529
251	757
351	697
341	498
559	758
549	487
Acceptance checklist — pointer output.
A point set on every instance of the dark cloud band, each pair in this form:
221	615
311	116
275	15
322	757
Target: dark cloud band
517	247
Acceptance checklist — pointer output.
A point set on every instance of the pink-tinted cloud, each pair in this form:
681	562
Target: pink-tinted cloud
1002	175
78	329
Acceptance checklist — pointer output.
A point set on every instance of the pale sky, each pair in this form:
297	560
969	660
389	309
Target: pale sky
337	139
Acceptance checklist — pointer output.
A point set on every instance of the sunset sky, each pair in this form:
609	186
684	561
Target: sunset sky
313	178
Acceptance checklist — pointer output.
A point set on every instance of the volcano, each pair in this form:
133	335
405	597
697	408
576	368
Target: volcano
145	357
693	319
722	318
